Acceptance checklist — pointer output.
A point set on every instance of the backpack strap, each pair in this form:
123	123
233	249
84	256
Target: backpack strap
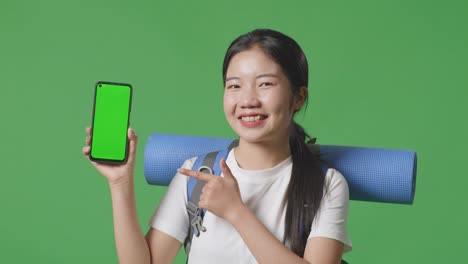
208	163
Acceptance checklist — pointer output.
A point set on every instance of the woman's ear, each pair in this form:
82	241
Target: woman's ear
300	98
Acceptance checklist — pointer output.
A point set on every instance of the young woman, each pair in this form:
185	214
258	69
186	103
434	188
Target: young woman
273	202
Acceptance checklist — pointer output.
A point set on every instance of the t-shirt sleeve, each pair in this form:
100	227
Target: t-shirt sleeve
332	217
171	215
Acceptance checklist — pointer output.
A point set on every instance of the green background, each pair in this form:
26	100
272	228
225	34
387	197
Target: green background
388	74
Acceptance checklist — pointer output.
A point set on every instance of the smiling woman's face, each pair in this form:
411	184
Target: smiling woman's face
257	97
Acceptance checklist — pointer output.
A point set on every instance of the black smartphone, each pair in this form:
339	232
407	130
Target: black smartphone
111	119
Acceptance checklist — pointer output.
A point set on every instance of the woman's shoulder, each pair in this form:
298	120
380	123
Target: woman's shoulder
335	181
188	163
180	179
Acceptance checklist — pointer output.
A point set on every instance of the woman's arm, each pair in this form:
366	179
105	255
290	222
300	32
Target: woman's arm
167	246
132	246
323	250
130	243
261	242
268	249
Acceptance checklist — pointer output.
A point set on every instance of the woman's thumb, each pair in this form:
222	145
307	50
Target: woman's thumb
225	168
133	140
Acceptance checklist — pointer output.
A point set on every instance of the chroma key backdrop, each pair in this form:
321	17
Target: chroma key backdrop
383	74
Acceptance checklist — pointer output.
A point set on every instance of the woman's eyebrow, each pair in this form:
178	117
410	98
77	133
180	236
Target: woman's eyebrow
258	76
231	78
267	75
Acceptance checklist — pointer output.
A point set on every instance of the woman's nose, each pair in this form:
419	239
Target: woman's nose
249	98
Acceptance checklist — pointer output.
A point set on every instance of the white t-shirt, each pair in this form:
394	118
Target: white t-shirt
262	191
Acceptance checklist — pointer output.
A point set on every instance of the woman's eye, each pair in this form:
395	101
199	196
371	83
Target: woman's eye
266	84
233	86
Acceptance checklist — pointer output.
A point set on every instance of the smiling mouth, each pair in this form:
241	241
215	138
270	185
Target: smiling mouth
252	118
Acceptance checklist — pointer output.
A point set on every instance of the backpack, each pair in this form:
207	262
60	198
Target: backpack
209	163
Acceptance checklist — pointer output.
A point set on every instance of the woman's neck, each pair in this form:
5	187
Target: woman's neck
261	155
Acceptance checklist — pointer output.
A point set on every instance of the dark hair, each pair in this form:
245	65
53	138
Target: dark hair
305	190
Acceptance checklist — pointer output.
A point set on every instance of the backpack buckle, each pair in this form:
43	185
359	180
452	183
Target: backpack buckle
205	169
197	220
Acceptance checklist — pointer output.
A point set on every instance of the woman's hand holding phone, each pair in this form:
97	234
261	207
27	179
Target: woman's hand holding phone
115	173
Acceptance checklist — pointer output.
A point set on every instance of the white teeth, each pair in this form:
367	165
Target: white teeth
251	118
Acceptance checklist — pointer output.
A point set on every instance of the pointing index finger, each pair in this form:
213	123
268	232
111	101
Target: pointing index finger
196	174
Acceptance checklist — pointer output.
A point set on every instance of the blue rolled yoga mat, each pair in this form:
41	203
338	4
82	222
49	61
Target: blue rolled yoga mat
373	174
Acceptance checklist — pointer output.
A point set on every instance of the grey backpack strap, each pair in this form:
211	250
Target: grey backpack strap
233	144
195	213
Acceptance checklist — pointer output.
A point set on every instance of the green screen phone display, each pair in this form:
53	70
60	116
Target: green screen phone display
111	116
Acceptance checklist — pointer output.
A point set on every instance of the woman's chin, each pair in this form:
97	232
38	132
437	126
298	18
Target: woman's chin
252	137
